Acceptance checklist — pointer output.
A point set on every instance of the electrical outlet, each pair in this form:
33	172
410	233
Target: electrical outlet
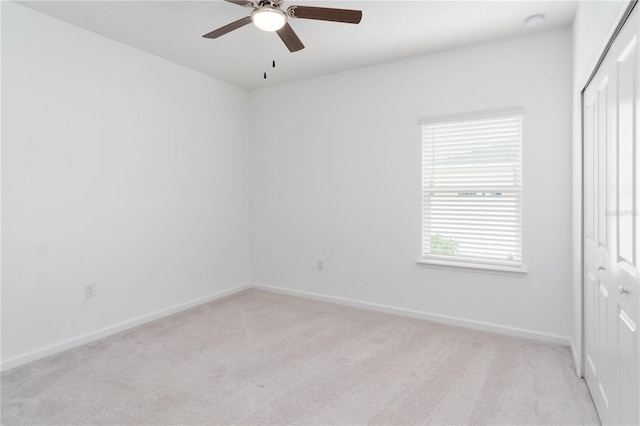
320	265
89	290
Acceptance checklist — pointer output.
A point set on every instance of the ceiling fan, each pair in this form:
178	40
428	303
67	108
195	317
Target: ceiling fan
268	16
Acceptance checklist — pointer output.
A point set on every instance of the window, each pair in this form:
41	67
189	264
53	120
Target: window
472	190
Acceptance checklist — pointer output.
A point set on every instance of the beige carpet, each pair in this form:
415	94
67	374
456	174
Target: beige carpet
262	358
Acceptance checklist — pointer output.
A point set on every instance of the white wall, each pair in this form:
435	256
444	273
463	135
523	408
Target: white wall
335	165
593	26
124	170
120	169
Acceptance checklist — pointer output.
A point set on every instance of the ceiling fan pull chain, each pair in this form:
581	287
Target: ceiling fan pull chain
265	55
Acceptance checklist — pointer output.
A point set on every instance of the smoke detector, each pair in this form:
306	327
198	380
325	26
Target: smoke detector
534	20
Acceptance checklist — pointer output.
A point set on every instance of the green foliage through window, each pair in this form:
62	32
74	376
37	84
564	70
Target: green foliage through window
442	245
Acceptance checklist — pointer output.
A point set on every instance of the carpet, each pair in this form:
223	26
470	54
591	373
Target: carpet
263	358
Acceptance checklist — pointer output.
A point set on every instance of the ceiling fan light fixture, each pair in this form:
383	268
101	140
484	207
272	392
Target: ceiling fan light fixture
268	18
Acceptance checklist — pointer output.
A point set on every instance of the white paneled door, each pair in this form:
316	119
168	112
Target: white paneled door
611	234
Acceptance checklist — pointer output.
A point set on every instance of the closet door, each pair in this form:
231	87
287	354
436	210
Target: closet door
611	273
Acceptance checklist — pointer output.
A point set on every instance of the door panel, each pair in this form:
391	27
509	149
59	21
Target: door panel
602	315
591	342
627	76
589	157
602	128
628	359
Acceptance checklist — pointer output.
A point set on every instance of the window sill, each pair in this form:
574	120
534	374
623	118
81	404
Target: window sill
479	267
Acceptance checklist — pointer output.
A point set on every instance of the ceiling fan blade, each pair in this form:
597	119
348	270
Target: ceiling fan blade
242	2
290	38
325	14
228	28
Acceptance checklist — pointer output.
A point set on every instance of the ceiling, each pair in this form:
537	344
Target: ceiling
389	31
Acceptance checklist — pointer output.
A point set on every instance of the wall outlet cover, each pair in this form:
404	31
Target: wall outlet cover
89	290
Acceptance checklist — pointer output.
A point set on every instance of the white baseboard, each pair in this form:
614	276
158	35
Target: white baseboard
461	322
107	331
125	325
576	358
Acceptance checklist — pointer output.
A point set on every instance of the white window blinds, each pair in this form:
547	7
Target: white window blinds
472	188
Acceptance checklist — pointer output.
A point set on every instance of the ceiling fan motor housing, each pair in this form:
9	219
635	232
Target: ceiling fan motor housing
272	3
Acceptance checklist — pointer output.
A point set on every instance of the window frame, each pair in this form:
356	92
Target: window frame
478	264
